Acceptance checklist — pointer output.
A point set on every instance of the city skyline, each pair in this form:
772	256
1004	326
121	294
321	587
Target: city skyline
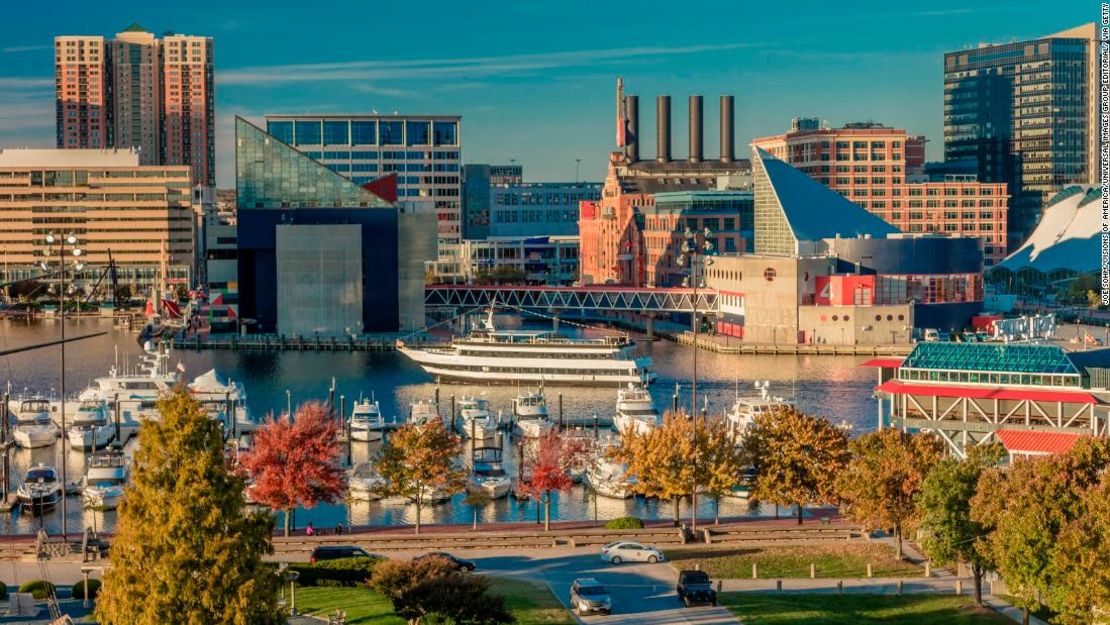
504	72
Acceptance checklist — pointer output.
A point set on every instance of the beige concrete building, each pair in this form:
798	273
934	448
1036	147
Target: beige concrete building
138	216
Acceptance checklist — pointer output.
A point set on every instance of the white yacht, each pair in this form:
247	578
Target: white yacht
136	390
605	476
489	355
488	472
745	409
364	483
90	428
530	413
366	420
105	479
421	412
475	418
41	489
33	427
635	410
221	396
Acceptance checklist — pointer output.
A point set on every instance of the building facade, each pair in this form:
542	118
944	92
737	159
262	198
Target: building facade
726	215
297	220
883	170
533	209
540	260
140	217
423	151
478	179
138	91
1024	113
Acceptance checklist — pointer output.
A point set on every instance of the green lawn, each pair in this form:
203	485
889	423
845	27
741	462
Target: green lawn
793	609
531	603
841	559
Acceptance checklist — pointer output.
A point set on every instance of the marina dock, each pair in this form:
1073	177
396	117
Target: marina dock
265	342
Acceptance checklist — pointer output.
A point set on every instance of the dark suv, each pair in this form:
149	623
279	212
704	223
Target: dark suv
460	564
339	552
695	587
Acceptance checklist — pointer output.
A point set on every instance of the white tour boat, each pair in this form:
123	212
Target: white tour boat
90	428
367	423
105	479
530	413
41	489
745	409
33	427
488	355
488	472
364	483
475	418
635	410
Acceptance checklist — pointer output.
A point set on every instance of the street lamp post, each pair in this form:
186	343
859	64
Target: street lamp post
85	570
693	257
61	242
289	403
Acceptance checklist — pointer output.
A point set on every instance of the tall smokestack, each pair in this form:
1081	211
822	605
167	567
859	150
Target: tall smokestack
632	137
728	149
663	128
696	153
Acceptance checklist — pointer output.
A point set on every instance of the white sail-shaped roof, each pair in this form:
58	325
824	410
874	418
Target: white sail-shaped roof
1067	237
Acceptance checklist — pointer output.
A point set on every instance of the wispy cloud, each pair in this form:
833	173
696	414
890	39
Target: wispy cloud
942	12
15	49
20	82
482	66
391	92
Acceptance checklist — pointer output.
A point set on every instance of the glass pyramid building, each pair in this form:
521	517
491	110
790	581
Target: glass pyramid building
791	207
271	174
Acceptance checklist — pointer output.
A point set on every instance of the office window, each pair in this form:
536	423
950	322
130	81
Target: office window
364	133
393	133
336	133
419	133
446	133
282	131
308	133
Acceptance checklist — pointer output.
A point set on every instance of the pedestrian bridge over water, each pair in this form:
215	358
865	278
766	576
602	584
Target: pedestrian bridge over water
584	299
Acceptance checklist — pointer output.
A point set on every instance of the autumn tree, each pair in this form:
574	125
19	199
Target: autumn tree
548	469
295	462
795	458
1082	560
419	461
660	461
185	549
431	588
721	462
477	498
950	535
1025	508
885	473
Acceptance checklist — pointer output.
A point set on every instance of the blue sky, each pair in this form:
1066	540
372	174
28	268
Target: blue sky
534	80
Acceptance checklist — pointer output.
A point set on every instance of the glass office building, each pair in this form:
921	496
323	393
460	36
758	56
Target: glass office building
1024	114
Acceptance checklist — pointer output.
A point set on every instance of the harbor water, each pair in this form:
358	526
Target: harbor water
835	387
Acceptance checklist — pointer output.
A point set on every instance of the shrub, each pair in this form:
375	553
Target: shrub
39	588
79	589
340	572
625	523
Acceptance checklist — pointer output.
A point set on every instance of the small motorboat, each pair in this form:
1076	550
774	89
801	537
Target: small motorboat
635	410
423	412
364	483
475	418
91	429
366	420
41	489
105	479
33	427
488	472
530	413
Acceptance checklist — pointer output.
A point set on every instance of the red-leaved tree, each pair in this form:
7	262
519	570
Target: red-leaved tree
549	467
294	462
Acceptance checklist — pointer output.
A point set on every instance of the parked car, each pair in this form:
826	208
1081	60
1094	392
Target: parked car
587	595
695	587
628	551
338	552
930	335
460	564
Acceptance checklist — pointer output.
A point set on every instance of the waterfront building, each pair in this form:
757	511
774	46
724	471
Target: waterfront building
1024	113
613	247
824	270
728	215
422	151
540	260
1064	245
883	170
1033	398
498	203
135	215
138	91
316	252
478	179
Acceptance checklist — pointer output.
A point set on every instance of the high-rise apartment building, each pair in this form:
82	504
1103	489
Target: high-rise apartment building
1025	114
138	91
82	118
882	169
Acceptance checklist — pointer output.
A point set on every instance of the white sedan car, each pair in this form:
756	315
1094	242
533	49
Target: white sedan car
628	551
